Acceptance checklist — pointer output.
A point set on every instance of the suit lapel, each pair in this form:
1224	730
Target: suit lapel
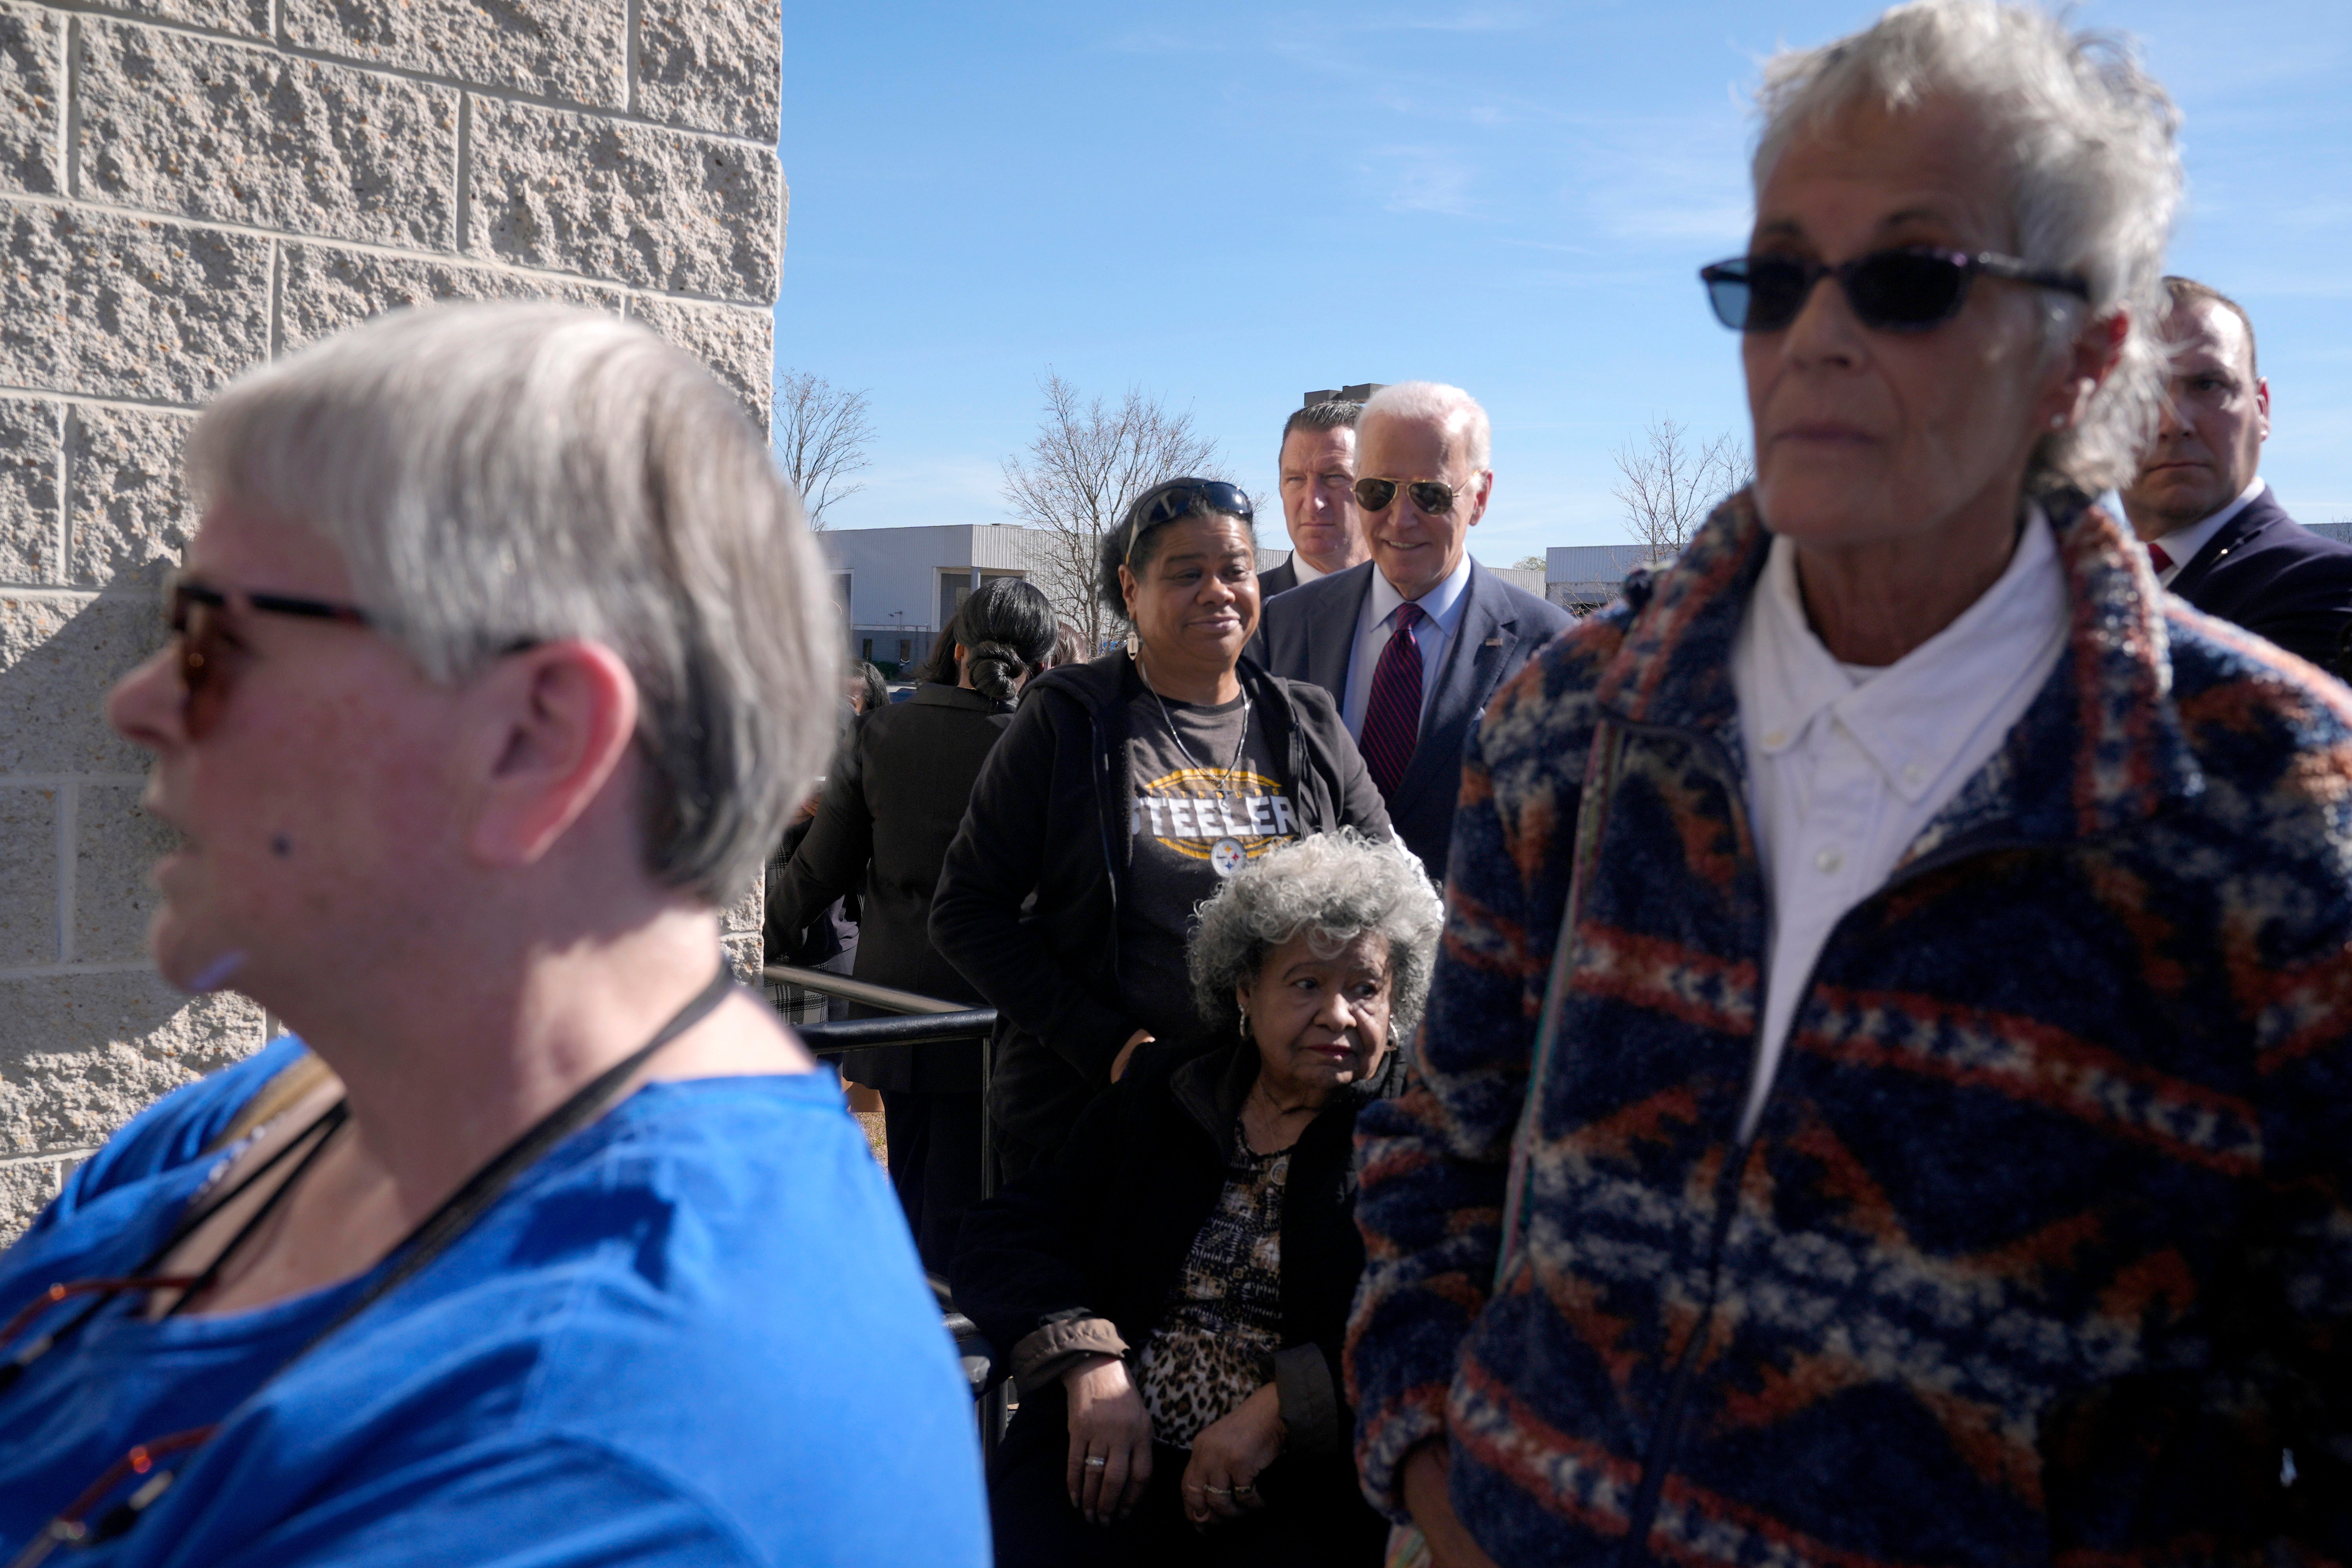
2252	518
1332	633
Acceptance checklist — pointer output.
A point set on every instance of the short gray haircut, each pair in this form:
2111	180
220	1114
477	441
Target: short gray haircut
2094	166
497	475
1449	407
1331	414
1335	887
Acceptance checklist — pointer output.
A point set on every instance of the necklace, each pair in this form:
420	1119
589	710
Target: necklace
1221	783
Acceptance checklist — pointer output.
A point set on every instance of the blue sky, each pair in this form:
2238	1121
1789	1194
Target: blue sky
1227	205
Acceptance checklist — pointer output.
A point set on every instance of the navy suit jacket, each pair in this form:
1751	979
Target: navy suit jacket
1309	633
2269	575
1276	580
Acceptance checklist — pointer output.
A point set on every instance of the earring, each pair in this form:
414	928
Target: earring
1134	645
2057	422
1243	1030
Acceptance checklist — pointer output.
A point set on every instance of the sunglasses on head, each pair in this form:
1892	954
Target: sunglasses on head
198	615
1434	499
1908	290
1181	498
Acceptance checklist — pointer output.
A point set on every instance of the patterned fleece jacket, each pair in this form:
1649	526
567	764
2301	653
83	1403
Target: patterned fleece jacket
2042	1248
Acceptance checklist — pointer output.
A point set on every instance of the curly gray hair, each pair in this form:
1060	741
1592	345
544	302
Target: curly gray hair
2094	170
1336	886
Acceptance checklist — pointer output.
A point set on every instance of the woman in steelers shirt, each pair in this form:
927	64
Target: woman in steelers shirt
1125	791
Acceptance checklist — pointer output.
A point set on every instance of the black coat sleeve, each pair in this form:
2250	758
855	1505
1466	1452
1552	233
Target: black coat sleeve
831	858
1021	813
1019	1255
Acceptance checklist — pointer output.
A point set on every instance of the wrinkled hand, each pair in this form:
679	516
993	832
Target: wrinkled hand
1127	1053
1228	1456
1425	1497
1109	1422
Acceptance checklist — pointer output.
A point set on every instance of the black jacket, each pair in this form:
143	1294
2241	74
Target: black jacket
897	793
1049	818
1276	580
1310	634
2269	575
1106	1225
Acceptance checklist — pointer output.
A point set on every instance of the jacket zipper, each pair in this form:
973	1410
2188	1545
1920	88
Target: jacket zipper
1665	1438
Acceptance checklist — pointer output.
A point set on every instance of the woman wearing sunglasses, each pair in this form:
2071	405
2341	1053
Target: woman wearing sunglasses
1123	794
1897	869
497	663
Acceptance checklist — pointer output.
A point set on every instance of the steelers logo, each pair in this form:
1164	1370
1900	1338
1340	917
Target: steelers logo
1226	819
1227	855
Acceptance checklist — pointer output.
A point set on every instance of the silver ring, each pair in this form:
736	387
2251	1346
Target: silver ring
1095	1461
1219	1492
1244	1487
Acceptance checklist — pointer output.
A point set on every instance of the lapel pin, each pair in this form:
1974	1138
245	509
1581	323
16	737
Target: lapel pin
1493	642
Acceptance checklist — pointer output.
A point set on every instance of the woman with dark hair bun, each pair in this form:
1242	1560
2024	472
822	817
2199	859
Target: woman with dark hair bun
1125	792
889	811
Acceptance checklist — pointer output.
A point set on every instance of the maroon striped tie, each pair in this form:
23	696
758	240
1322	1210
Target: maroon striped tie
1393	718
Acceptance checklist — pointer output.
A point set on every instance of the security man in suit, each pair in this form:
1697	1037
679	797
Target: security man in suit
2215	532
1319	497
1415	640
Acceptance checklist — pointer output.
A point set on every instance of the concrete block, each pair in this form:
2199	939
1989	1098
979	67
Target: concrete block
250	18
712	66
132	519
28	491
743	957
737	342
82	1054
571	50
659	209
748	913
58	657
28	875
123	307
31	99
171	122
116	846
26	1188
327	289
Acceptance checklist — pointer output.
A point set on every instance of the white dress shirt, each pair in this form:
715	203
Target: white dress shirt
1442	605
1846	766
2183	543
1305	569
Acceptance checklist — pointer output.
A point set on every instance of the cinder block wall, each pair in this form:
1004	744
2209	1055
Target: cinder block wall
190	187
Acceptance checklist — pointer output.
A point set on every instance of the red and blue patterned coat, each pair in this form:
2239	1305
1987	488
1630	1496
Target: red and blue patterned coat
2043	1247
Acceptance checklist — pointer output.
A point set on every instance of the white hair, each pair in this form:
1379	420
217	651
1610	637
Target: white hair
1449	407
1335	887
499	474
2088	141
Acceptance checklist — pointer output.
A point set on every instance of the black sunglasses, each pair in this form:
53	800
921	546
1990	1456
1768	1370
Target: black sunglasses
1181	498
1908	290
199	615
1434	499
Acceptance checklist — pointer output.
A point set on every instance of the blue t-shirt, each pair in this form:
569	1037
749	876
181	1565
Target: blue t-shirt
695	1333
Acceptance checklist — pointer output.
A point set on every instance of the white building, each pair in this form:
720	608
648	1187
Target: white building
1580	578
898	587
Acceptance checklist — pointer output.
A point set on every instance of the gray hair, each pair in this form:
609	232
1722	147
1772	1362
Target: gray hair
1449	407
1331	414
503	474
1335	887
2094	171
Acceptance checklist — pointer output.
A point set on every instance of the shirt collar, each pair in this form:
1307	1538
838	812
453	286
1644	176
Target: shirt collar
1442	604
2183	543
1305	569
1912	718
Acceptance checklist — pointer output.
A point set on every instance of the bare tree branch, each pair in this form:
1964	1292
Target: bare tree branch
1668	487
821	435
1087	462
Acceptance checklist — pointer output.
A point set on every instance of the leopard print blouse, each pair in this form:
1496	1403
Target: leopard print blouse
1225	1317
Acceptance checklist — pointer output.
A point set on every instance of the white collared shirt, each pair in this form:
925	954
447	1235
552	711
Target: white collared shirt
1377	620
1847	766
1304	568
2183	543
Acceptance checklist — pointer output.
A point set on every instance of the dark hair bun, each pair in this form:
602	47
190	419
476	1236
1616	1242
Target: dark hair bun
993	668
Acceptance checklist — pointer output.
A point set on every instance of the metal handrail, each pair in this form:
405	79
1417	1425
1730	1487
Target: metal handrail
825	983
914	1029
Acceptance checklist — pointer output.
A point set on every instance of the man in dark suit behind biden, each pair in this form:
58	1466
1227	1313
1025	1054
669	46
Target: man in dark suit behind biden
2216	534
1414	641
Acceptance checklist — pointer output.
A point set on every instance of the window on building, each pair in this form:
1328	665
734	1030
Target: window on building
905	650
866	651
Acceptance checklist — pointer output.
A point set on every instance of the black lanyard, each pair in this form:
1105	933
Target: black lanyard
432	1236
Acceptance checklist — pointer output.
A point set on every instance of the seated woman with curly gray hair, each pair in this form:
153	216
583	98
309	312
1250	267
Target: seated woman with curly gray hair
1174	1283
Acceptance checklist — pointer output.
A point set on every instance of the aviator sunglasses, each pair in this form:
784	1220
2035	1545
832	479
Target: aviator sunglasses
1908	290
1434	499
198	615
